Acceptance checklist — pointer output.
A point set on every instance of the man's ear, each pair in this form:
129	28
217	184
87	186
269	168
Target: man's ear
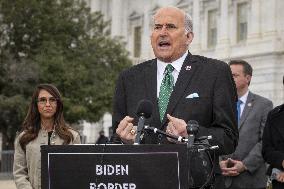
248	77
189	37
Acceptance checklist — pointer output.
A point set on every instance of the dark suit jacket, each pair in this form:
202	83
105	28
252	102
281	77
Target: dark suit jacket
214	109
273	139
249	147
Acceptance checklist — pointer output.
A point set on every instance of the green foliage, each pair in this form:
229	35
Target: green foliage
57	42
12	112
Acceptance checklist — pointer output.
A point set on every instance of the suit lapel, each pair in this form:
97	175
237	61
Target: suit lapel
150	74
186	73
248	107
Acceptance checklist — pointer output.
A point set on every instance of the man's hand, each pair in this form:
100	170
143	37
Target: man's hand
226	167
126	131
232	167
280	177
176	126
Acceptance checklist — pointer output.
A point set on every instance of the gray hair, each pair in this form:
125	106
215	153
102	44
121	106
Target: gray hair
188	25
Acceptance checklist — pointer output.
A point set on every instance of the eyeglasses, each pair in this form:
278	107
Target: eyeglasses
52	101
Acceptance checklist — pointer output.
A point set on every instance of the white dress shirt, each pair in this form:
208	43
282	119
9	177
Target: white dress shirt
161	66
244	100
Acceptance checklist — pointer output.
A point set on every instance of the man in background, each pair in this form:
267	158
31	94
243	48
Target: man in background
102	138
245	168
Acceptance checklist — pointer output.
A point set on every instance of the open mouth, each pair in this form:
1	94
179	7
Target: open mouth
164	44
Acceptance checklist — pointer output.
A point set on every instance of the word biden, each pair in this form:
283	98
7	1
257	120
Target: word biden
111	169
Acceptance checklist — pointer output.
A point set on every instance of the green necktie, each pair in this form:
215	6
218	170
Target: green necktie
166	90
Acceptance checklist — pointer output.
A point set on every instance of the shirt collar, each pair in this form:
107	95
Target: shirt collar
177	64
244	97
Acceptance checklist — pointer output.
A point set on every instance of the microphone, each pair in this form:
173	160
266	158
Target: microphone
192	129
144	111
155	130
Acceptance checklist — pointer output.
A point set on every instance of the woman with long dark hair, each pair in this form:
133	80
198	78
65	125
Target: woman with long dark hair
43	125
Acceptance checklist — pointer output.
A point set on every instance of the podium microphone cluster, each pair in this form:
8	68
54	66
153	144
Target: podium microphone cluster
158	131
144	111
192	129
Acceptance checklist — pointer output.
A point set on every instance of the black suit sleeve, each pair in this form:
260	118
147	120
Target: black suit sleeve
272	141
224	126
119	107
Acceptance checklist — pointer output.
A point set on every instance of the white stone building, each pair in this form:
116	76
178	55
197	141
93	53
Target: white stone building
91	130
252	30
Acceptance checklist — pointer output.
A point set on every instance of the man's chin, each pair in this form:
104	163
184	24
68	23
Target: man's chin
164	57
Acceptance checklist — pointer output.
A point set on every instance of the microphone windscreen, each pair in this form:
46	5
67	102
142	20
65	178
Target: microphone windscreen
192	122
144	108
192	127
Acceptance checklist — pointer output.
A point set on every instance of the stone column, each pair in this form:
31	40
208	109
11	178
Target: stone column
146	48
95	5
196	43
117	17
254	24
223	40
270	23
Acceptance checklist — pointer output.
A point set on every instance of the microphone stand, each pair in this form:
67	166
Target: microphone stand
198	145
144	111
191	129
140	127
158	131
194	145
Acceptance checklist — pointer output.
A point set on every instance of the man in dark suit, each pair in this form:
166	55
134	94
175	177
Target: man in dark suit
273	145
245	168
181	86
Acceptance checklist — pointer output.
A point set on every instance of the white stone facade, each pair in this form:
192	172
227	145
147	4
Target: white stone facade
91	130
263	47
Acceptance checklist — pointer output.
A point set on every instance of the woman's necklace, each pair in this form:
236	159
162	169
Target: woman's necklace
52	137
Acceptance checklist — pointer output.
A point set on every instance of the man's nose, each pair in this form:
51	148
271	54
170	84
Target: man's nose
164	30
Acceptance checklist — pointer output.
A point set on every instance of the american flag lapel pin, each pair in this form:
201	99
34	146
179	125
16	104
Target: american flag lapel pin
188	68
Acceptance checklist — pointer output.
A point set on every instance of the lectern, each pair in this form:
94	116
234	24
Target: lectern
115	167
